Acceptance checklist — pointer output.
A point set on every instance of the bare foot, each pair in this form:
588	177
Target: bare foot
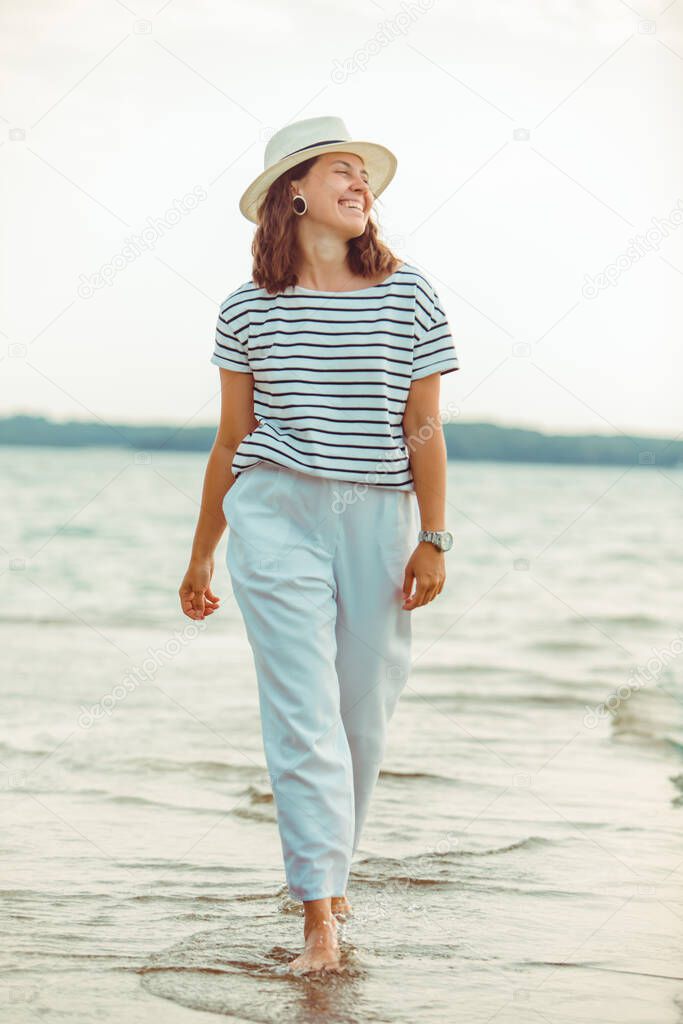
341	908
321	951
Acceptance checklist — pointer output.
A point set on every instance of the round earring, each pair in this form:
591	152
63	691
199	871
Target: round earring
299	199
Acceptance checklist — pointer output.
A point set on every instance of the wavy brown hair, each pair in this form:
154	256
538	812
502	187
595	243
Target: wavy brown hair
275	248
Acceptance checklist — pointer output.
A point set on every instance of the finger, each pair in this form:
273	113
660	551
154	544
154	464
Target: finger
186	602
417	599
429	591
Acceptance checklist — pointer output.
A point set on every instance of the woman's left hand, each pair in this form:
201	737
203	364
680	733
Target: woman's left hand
427	566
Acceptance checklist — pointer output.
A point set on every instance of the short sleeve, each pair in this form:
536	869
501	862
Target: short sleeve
230	344
433	346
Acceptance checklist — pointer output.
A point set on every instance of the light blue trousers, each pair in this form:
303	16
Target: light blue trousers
317	567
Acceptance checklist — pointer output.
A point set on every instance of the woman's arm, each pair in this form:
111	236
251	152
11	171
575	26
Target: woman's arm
427	450
427	454
236	421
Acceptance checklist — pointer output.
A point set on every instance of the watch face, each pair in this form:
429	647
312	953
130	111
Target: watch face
446	541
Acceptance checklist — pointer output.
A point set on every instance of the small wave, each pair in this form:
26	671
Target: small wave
478	669
131	620
261	806
386	773
259	796
9	750
472	701
563	646
78	530
217	771
175	867
531	842
636	620
647	717
587	965
132	800
191	899
432	868
678	783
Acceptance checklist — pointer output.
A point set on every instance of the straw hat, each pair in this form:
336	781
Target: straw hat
301	140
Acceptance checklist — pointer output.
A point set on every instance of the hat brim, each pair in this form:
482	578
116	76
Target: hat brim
380	163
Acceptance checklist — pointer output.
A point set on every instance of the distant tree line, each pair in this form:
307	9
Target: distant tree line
464	441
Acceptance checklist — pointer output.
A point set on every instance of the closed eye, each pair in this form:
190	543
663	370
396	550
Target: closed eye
365	180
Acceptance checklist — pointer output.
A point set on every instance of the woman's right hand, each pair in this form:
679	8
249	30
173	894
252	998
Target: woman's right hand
197	599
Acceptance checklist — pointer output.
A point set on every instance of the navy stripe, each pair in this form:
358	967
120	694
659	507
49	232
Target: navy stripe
304	387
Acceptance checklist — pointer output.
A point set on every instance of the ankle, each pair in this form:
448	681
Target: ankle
323	924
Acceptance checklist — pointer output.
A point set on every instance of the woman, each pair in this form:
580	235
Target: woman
329	360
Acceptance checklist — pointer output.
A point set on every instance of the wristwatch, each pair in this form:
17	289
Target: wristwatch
441	539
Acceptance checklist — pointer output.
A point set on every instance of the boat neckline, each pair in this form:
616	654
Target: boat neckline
294	288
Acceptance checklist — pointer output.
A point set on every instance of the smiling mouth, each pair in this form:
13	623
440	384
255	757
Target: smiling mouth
352	209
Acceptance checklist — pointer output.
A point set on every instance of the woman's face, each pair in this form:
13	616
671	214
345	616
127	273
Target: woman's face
338	193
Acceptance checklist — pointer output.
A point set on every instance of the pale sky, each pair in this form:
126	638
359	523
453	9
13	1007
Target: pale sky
538	144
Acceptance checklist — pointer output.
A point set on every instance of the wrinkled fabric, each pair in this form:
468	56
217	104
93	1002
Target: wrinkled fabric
317	568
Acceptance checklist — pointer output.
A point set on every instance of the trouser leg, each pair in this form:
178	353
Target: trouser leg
373	632
282	581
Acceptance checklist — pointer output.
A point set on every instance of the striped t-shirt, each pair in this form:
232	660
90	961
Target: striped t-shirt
332	372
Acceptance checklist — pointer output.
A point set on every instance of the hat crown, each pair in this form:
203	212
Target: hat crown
303	135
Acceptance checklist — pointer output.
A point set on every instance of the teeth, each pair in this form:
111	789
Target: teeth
350	203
